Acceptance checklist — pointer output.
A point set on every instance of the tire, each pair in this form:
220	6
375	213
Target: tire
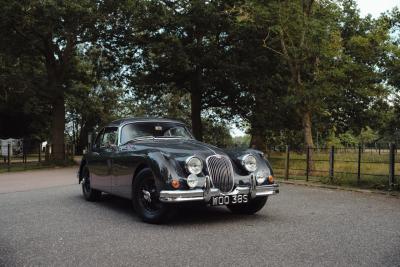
89	193
253	206
146	202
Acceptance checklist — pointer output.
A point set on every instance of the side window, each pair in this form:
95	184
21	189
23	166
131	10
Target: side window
98	138
109	137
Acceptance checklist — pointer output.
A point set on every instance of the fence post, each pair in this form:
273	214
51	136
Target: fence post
40	151
391	165
359	165
331	163
8	156
287	163
47	153
307	163
24	156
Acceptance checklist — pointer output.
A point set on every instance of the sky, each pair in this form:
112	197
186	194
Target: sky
376	7
373	7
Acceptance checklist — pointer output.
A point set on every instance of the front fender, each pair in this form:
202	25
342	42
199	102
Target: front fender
236	155
164	168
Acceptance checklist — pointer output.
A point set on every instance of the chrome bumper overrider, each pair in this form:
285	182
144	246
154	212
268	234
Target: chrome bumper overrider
176	196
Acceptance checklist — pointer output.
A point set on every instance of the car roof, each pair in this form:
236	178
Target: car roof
120	122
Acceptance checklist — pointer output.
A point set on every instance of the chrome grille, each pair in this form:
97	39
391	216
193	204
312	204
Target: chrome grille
221	172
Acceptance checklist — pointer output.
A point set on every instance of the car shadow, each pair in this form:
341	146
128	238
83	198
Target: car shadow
186	214
202	214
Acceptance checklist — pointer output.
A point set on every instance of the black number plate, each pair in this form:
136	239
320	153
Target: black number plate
231	199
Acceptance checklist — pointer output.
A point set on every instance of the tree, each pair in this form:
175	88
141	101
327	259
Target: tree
258	87
50	31
179	48
360	71
305	35
22	110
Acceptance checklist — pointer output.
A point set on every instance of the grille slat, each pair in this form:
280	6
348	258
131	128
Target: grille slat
221	172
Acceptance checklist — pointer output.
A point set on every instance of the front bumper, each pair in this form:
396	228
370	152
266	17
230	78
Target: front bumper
177	196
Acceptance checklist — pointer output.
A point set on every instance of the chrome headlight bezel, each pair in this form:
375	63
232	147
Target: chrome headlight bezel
249	162
194	165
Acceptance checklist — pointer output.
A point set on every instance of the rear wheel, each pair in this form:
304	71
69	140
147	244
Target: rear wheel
251	207
89	193
146	199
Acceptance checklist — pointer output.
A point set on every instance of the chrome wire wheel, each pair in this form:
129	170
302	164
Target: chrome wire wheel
149	198
146	199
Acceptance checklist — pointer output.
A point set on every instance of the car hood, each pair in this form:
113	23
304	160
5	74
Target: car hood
179	148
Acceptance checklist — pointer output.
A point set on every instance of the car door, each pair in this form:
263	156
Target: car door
101	159
124	164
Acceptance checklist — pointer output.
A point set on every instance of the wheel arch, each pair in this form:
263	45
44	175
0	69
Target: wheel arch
138	169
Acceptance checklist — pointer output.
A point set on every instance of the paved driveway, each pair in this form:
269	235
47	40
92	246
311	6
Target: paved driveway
300	227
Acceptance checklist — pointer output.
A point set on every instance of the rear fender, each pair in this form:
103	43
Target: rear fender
80	171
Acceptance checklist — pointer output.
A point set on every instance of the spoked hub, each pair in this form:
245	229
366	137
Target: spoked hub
149	195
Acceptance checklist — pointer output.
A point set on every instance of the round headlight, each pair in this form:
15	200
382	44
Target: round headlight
250	163
192	180
194	165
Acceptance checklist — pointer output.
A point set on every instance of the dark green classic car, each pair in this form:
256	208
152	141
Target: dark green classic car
158	164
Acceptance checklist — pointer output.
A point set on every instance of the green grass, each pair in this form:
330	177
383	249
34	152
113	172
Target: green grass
374	167
18	165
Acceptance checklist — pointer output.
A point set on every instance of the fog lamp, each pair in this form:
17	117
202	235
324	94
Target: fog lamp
261	177
192	180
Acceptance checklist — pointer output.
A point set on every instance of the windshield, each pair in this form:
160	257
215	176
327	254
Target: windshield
139	130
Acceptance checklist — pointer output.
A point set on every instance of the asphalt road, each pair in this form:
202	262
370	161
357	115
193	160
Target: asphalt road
302	226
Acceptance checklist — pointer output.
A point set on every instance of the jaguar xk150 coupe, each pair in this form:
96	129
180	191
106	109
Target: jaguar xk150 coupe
158	164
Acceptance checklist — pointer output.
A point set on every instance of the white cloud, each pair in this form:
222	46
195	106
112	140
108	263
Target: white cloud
375	8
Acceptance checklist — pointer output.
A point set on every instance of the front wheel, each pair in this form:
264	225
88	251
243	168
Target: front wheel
253	206
146	199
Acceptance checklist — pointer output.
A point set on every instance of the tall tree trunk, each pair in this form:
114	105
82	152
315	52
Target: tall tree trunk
308	139
258	126
83	138
195	101
58	128
258	140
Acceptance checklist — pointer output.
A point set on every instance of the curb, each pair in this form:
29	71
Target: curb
358	190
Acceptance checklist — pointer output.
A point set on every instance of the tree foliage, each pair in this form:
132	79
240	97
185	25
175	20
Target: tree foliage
288	72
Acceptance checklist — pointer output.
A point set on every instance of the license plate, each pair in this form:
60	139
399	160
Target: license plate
227	200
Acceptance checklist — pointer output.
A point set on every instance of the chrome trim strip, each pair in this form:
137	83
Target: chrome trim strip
177	196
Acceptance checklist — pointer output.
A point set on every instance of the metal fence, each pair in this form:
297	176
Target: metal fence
32	156
361	167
